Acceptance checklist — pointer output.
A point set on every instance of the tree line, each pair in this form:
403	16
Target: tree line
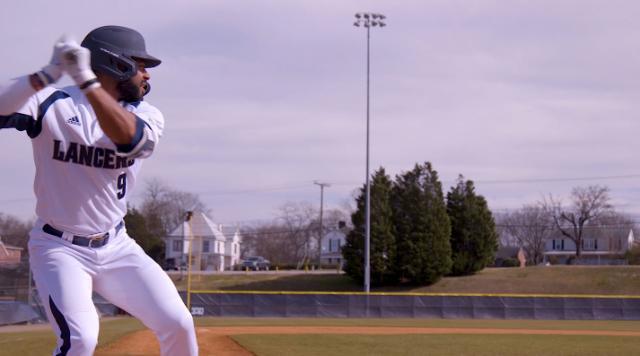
587	214
416	235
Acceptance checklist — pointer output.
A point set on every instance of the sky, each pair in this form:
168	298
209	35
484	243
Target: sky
262	98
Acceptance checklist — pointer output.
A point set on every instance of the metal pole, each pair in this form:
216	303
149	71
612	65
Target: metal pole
367	20
367	241
321	232
29	289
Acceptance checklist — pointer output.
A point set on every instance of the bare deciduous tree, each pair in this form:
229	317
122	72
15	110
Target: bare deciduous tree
14	231
612	226
587	205
530	227
165	207
298	220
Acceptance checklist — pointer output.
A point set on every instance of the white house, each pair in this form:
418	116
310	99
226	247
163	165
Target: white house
210	249
232	249
332	243
602	249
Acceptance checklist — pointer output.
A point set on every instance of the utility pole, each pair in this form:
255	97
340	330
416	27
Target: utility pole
321	232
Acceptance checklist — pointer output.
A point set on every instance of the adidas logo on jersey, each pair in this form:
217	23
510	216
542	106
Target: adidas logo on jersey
74	121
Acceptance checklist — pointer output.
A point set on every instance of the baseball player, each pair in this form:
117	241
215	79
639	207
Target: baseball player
89	141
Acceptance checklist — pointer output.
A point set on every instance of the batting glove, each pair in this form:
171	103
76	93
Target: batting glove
52	72
76	61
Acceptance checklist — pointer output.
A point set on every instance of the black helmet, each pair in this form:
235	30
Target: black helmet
115	49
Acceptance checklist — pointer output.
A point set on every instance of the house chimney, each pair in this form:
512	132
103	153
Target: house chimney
188	216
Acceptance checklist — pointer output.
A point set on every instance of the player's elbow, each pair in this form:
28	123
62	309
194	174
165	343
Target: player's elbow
140	145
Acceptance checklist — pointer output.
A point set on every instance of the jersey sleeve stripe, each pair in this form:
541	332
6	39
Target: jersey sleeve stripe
137	137
17	121
35	129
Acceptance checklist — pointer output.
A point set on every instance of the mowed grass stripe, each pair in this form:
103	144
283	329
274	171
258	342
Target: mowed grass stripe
445	345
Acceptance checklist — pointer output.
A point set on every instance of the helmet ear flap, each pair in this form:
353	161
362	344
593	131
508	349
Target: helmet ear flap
119	67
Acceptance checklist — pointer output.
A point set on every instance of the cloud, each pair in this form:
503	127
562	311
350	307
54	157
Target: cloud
272	94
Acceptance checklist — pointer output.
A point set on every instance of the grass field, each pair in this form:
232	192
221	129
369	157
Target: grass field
448	345
41	342
614	280
605	280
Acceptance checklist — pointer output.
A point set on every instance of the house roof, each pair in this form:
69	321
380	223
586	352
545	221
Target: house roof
199	225
232	233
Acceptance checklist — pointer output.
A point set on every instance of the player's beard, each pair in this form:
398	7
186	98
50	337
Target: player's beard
131	92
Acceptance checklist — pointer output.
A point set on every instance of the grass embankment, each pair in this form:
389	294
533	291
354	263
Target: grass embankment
582	280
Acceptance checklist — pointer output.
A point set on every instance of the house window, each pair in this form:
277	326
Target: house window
557	244
235	249
334	245
177	245
590	244
205	246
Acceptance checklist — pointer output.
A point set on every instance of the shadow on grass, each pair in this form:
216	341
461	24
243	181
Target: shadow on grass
299	283
312	283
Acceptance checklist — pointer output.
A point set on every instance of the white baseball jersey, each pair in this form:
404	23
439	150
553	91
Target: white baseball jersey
82	179
81	184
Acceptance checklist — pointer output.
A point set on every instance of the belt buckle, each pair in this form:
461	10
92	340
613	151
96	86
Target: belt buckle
97	239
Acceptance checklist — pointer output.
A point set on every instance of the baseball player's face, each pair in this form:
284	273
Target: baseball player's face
136	87
140	80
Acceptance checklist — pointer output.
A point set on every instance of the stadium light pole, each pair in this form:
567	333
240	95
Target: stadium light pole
368	20
322	186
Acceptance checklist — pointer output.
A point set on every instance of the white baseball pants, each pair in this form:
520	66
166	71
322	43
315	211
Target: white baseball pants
120	271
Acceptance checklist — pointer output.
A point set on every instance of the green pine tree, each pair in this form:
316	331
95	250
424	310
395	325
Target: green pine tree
138	229
382	239
474	239
422	227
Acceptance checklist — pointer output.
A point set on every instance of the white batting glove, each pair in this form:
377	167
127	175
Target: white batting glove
52	72
76	61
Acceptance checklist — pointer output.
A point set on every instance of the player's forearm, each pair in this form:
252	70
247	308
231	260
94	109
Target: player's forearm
14	94
117	123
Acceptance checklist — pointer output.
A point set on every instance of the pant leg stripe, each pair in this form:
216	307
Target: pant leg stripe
65	334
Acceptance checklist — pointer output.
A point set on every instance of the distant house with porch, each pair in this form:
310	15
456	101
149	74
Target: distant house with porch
210	249
9	255
600	249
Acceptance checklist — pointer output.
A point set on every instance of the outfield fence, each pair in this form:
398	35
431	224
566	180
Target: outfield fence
392	305
374	305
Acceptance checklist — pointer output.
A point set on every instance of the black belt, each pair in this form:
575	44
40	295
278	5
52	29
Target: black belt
86	241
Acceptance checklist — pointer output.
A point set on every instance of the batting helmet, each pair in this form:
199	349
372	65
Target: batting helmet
115	49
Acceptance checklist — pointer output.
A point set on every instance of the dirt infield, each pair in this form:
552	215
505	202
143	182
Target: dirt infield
216	340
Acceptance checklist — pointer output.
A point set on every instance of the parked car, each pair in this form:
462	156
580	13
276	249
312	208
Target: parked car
256	263
170	264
